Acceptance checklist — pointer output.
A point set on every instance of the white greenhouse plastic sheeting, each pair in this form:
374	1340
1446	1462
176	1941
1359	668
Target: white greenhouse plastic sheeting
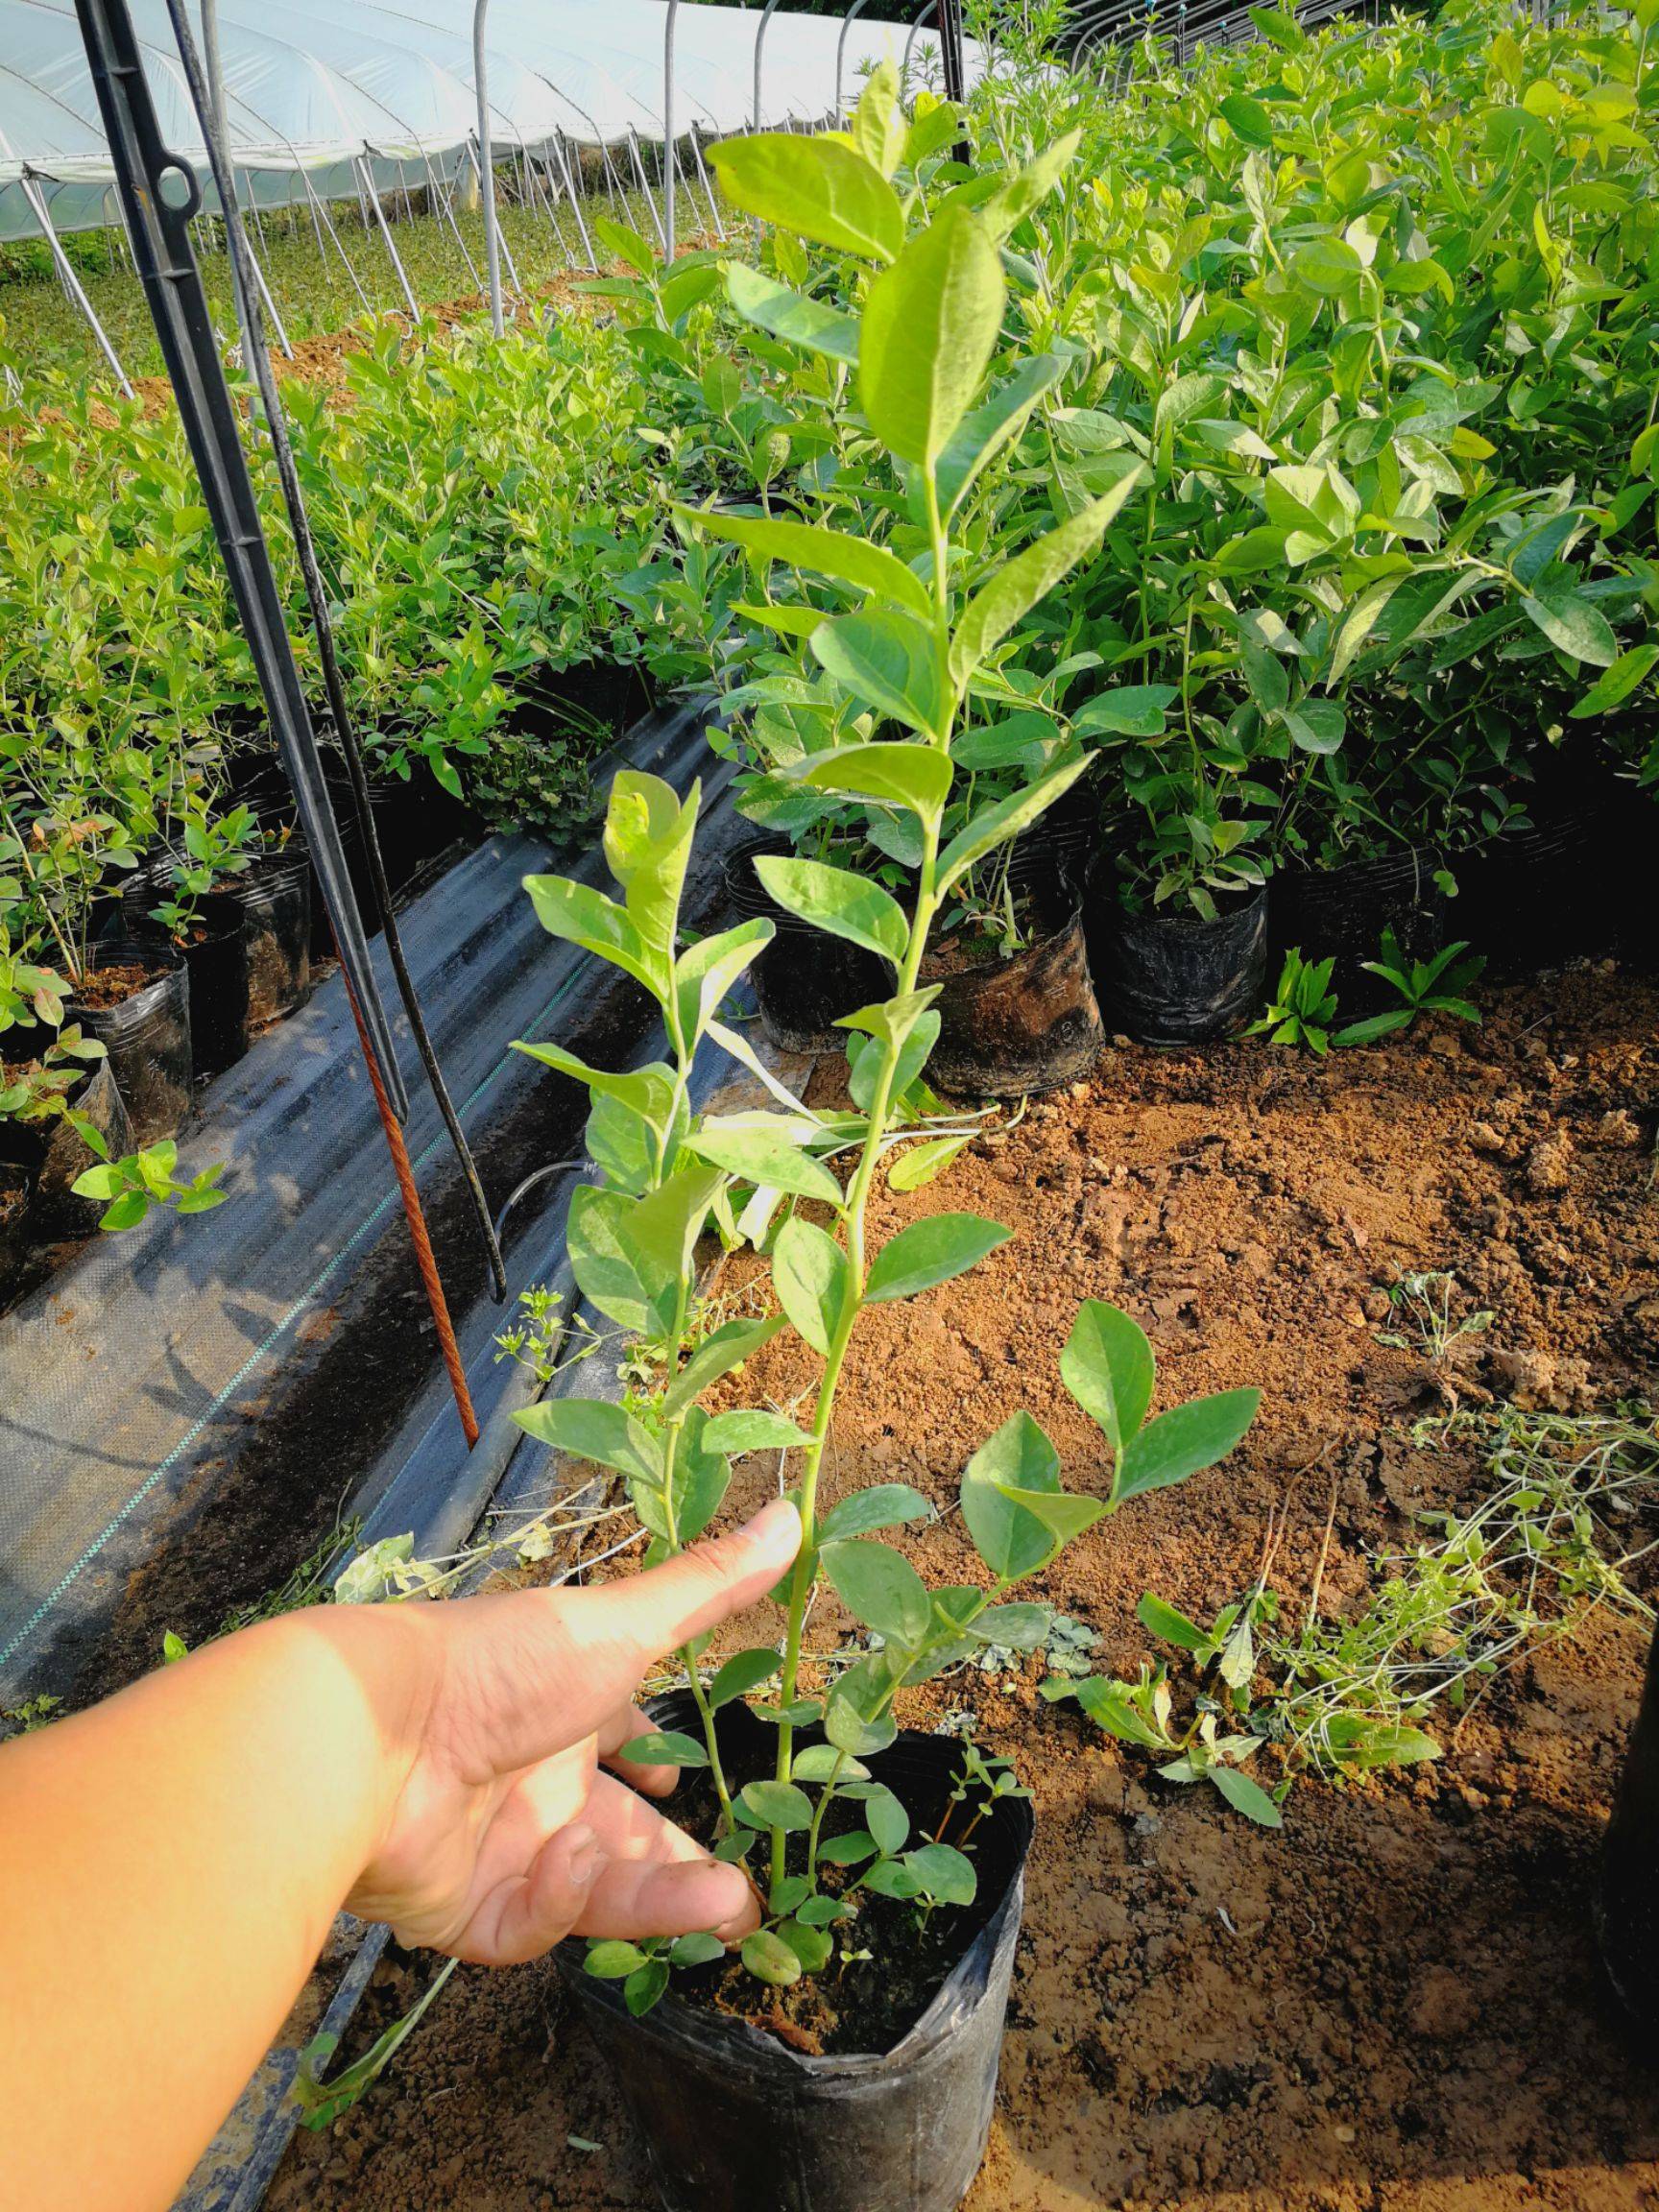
310	91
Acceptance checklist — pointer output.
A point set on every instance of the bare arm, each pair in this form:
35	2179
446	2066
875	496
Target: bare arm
171	1861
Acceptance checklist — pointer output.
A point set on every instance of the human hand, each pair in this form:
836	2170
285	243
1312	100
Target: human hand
505	1835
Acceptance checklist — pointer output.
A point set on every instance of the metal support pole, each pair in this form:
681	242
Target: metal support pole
708	188
766	14
501	235
264	294
361	162
949	14
668	24
571	187
640	172
916	29
436	195
857	8
321	216
487	167
69	280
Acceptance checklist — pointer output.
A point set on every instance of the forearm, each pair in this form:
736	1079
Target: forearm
170	1863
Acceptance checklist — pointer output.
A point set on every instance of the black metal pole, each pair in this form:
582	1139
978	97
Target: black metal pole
158	197
950	50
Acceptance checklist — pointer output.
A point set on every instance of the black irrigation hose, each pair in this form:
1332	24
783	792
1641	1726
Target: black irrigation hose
323	629
534	1176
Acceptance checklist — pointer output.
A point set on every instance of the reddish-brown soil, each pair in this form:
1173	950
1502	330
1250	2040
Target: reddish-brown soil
1394	2005
114	983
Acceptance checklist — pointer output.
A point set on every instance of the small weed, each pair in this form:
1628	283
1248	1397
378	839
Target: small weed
1424	1303
32	1714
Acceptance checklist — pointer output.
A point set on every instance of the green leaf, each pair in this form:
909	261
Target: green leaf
776	1805
1184	1440
1031	575
814	188
647	1092
1109	1369
856	1717
594	1429
1017	1627
822	1763
811	1945
614	1961
1018	1458
753	1430
1110	1705
888	1822
824	1911
878	128
881	1589
892	1878
812	1280
1130	710
1250	120
700	1949
917	777
790	316
1007	818
1316	724
1169	1623
1246	1795
729	1345
847	1850
648	831
919	1165
1615	683
627	245
836	899
854	560
985	432
882	1505
930	1252
928	329
1570	621
744	1672
944	1874
764	1155
1010	204
889	661
706	971
664	1747
767	1957
582	916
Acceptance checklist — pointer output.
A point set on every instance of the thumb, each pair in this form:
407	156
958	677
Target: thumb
658	1611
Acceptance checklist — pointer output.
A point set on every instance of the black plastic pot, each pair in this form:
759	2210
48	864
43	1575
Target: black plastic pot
735	2122
215	956
1027	1023
1342	912
1627	1902
805	980
1537	896
275	900
14	1238
147	1036
1175	978
56	1211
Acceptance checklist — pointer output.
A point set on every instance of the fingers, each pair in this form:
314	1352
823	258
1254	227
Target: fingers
654	1880
627	1722
658	1611
525	1915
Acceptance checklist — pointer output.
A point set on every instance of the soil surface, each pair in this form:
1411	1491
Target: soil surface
112	984
1394	2005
